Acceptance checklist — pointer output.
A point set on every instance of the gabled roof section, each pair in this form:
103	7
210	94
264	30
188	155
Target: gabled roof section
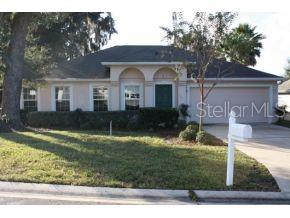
91	67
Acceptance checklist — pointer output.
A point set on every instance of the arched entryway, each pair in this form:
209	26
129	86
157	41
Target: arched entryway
131	89
165	88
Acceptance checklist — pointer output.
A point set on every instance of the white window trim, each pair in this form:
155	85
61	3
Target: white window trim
141	87
21	99
53	100
173	91
36	98
91	95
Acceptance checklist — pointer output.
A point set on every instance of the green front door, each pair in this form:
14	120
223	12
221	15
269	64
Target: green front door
163	96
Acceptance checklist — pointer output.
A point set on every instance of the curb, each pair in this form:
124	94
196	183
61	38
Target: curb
241	195
94	191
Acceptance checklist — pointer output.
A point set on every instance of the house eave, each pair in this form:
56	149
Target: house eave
76	80
243	79
140	63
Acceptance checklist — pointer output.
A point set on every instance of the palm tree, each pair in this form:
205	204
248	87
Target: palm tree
243	44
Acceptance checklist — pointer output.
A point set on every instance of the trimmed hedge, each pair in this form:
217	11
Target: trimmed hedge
51	119
158	118
142	119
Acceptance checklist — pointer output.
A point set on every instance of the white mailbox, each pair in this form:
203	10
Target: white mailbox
239	132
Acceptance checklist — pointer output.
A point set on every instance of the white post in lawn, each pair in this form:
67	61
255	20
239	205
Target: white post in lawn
111	128
239	132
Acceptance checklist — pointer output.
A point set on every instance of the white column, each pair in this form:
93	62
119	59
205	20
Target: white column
115	96
181	93
149	94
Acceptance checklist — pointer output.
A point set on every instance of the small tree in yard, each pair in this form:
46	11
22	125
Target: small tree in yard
211	41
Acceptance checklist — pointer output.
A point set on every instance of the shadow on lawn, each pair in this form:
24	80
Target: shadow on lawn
135	163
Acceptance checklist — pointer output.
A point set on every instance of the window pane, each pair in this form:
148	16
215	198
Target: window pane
62	93
62	106
62	98
132	92
29	99
100	105
100	97
29	94
132	97
30	105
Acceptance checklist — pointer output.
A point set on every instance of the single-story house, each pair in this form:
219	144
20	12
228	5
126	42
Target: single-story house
284	94
131	77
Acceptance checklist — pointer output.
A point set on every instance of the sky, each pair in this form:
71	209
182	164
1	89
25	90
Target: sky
139	27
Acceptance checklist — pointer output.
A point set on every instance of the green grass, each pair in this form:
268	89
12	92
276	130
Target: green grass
125	160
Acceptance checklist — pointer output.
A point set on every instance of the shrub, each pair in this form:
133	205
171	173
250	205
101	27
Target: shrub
192	127
192	123
187	135
85	126
127	120
181	124
158	118
80	119
280	111
120	119
203	137
23	116
183	110
51	119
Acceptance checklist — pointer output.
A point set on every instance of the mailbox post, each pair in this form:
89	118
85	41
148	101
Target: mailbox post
237	132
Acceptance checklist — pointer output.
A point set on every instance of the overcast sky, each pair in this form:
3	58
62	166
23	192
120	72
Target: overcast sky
143	28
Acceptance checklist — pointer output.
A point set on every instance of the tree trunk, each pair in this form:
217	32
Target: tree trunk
201	114
12	83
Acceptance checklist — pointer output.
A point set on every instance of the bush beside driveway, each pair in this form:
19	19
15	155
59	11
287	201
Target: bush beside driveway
131	160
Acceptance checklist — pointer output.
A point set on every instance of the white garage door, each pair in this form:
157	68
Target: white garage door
250	104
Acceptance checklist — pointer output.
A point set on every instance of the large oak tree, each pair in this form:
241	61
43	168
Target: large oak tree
31	43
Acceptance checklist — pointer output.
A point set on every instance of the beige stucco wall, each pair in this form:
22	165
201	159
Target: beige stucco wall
44	98
148	76
80	95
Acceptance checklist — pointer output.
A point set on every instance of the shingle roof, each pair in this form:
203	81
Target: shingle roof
90	66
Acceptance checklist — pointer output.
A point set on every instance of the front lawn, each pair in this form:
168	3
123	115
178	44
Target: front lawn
125	160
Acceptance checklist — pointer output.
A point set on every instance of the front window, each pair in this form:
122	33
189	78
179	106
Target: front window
29	99
62	98
100	98
132	97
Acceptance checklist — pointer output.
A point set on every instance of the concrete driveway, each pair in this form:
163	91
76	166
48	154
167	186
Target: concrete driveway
270	146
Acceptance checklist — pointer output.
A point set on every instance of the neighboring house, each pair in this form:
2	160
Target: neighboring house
130	77
284	94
